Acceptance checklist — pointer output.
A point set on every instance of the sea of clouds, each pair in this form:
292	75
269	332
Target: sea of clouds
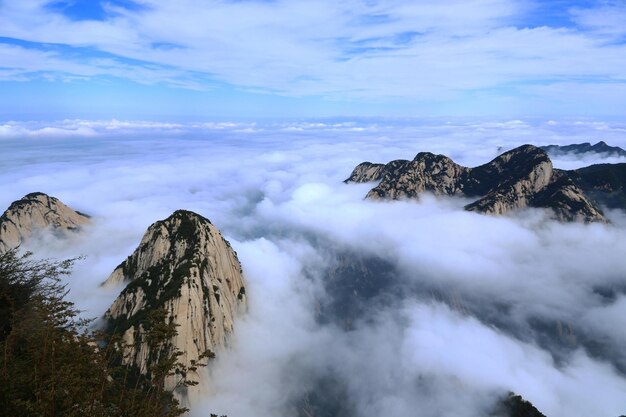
495	304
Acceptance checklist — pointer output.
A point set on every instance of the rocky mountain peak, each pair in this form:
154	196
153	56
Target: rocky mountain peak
184	266
522	177
35	212
366	172
511	180
521	157
437	174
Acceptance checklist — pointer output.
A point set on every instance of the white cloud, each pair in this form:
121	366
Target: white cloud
358	50
606	20
279	198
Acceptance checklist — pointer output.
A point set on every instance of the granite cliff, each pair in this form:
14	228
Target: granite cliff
520	178
183	266
33	213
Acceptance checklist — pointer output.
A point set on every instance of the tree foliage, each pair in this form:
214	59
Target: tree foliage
51	366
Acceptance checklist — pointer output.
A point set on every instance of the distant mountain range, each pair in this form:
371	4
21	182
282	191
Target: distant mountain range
520	178
585	148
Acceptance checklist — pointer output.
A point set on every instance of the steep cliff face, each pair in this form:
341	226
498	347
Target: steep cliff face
512	180
522	177
184	266
567	200
33	213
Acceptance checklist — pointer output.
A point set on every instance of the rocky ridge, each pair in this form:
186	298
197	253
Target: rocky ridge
585	148
520	178
185	267
35	212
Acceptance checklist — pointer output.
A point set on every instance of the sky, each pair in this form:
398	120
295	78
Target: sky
481	305
253	112
192	60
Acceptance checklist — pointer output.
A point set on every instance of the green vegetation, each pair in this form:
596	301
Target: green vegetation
51	366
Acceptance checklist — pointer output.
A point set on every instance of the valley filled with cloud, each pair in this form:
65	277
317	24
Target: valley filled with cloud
452	311
431	285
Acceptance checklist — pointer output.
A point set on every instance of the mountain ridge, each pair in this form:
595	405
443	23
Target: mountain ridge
600	147
520	178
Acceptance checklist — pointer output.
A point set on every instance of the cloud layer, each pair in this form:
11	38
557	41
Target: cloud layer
468	56
488	305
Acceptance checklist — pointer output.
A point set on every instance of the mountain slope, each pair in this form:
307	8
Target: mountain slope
185	267
603	182
35	212
520	178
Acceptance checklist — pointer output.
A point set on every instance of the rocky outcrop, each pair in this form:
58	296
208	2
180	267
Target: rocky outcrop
568	202
437	174
511	181
523	177
33	213
366	172
600	148
185	267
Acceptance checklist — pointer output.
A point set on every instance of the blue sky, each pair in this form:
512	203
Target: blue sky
159	59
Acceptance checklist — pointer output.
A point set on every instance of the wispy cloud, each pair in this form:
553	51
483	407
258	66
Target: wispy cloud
605	20
382	50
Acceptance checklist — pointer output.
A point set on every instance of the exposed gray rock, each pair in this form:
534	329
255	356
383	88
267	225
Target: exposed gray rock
512	180
33	213
522	177
366	172
184	266
567	201
437	174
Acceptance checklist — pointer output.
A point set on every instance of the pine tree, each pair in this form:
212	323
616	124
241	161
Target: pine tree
51	366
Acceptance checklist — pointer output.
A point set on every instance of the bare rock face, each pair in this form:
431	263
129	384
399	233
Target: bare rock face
185	266
512	180
568	201
522	177
426	172
366	172
33	213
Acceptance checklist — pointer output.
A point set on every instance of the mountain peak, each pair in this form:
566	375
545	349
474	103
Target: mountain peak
184	266
35	212
519	178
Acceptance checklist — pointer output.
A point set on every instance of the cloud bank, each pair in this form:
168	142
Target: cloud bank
514	54
475	306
